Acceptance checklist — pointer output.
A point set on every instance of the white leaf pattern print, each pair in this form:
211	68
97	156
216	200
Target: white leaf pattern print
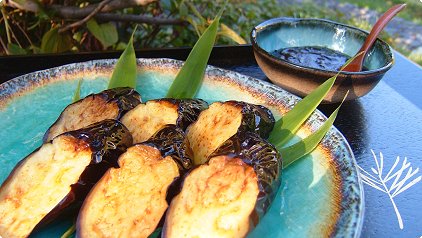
394	182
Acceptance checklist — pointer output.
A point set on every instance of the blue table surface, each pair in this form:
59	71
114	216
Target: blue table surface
383	128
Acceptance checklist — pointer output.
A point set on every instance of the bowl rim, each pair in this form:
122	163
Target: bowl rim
276	21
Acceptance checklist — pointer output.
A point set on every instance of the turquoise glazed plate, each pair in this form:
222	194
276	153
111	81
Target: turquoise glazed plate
320	196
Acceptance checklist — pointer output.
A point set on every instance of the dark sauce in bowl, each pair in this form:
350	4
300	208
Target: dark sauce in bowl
313	56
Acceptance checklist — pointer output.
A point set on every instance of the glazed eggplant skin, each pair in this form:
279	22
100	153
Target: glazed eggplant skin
217	200
256	118
188	110
147	118
54	179
170	140
108	104
263	157
141	184
107	139
126	98
221	121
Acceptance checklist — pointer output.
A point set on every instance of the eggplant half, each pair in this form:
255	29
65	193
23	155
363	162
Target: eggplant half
221	121
56	177
217	200
108	104
265	160
146	119
129	201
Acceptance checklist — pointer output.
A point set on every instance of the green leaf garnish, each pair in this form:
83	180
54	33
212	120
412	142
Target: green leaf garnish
77	94
69	232
156	233
189	79
124	73
287	126
305	146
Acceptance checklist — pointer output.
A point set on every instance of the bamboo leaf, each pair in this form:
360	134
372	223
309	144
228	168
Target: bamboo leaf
189	79
70	232
305	146
231	34
124	73
287	126
77	94
156	233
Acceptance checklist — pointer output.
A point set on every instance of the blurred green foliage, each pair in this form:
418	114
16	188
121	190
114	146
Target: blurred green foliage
413	11
23	32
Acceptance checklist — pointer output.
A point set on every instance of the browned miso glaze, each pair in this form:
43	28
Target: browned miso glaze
313	56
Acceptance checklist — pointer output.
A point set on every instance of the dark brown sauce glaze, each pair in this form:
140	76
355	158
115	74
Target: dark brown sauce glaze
313	56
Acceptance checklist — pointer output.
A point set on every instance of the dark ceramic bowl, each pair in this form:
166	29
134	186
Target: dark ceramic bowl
282	33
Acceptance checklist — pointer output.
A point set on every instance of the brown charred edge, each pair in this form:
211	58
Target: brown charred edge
125	97
170	140
255	118
107	139
265	160
188	110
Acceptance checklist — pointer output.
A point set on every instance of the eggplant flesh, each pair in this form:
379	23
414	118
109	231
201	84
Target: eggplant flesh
146	119
221	121
142	182
55	178
263	157
108	104
129	201
39	183
217	200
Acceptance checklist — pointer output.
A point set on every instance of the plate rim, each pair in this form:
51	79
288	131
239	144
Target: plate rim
27	82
